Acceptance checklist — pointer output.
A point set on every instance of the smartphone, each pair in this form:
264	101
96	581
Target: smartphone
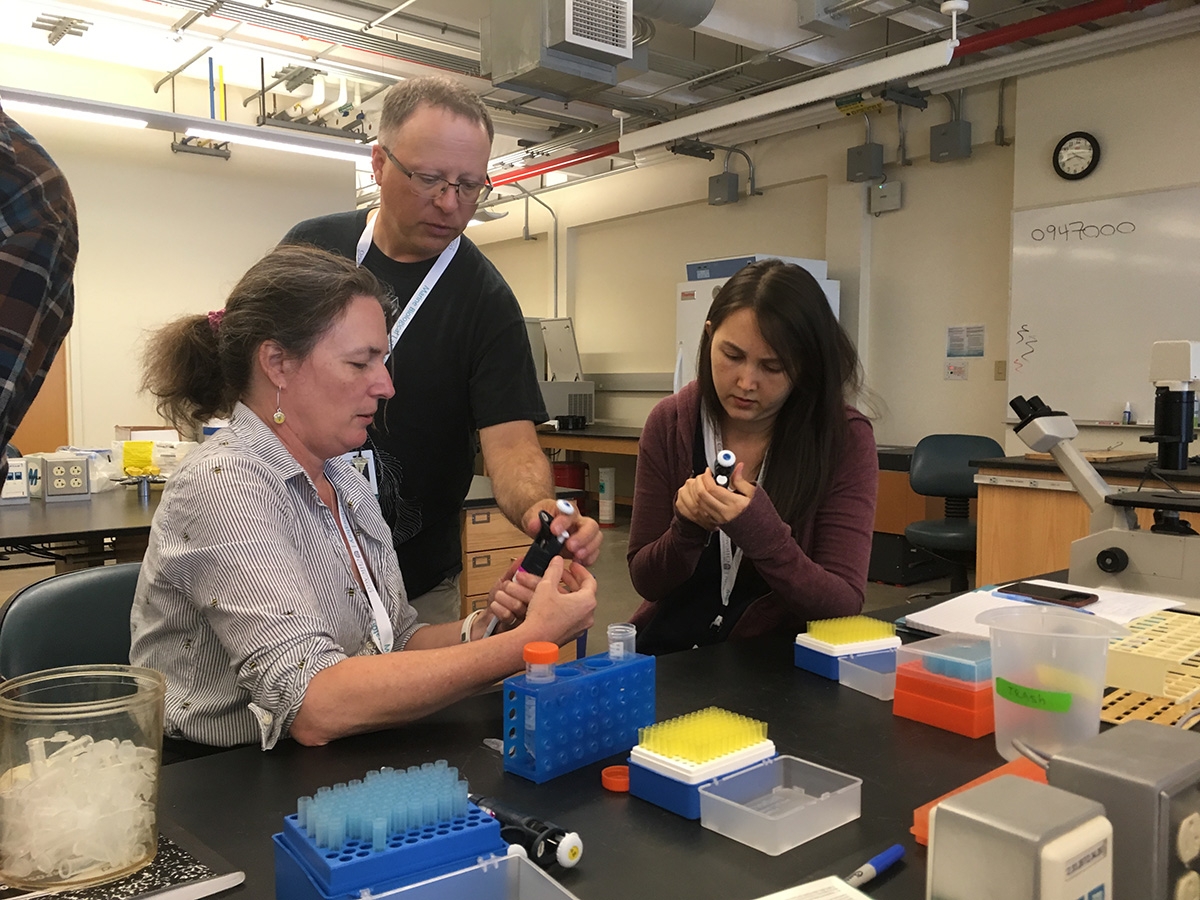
1062	596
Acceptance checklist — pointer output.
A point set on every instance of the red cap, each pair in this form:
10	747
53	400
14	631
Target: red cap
615	778
540	652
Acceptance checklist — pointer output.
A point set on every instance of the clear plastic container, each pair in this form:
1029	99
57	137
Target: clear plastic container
1048	664
963	658
870	673
622	640
780	803
505	878
80	749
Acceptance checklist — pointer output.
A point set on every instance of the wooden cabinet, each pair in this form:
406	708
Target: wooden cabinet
490	544
1026	528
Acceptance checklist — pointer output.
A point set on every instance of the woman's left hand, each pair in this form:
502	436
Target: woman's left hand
719	504
510	596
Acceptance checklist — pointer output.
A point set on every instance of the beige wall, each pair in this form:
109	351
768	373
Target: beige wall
942	260
528	267
630	234
161	234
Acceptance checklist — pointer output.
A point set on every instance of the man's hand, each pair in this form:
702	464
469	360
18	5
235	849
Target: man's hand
583	534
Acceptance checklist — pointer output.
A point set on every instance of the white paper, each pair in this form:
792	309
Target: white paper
831	888
958	613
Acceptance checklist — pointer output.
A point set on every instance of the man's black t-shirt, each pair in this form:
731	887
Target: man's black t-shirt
462	364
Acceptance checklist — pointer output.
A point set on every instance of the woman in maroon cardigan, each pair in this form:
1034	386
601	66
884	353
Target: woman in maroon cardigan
790	539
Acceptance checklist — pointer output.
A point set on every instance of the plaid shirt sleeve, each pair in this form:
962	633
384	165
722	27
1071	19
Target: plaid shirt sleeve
39	240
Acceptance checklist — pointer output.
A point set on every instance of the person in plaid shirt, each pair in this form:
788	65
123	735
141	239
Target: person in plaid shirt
39	240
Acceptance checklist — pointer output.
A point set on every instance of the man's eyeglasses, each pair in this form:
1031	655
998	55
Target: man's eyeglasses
431	187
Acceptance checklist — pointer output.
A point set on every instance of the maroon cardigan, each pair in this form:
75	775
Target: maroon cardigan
823	575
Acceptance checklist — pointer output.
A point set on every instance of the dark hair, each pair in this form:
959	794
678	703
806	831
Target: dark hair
403	99
199	366
819	359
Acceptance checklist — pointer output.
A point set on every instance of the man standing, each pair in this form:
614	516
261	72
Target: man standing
39	240
460	360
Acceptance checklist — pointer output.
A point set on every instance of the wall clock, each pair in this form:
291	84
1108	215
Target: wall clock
1076	156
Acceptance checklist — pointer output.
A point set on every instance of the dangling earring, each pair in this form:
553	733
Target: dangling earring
279	417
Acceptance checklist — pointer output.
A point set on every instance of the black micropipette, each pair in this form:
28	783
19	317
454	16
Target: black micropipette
545	842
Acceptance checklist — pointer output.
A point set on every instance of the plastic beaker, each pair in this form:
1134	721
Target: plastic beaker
79	759
1048	675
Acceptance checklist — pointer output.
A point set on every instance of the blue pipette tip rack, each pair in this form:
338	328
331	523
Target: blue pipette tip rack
308	868
592	709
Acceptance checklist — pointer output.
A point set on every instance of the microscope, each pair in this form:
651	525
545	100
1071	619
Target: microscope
1118	554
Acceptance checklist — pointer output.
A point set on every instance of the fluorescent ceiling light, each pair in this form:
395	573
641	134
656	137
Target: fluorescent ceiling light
335	146
80	115
827	87
216	134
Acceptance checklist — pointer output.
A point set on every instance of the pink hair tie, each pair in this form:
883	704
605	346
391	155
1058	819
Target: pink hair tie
214	319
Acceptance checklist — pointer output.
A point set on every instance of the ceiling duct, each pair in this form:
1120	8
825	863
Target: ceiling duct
560	48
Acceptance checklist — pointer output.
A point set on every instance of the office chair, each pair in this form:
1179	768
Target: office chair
73	619
941	468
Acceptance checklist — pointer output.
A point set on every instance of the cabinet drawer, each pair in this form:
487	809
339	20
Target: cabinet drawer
473	602
482	569
486	528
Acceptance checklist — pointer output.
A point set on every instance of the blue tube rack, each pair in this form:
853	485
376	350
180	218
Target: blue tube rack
592	709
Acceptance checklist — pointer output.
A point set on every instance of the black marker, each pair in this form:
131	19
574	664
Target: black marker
723	470
545	842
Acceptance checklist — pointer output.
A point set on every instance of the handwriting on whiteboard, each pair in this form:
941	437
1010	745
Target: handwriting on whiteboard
1080	231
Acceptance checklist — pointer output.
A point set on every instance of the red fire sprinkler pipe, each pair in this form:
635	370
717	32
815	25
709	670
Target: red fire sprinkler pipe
553	165
1055	21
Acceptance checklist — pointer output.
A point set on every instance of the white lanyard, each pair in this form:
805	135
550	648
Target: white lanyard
382	635
423	289
730	559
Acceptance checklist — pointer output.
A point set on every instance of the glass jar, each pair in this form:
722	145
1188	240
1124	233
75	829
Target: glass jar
80	749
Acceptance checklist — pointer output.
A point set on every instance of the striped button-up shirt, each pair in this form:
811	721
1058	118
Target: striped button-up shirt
247	591
39	240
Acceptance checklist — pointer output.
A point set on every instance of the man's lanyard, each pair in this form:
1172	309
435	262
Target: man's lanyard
730	559
423	289
382	635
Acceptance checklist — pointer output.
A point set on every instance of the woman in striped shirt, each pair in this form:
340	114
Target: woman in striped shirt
270	595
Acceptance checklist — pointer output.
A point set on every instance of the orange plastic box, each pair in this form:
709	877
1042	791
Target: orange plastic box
967	721
915	679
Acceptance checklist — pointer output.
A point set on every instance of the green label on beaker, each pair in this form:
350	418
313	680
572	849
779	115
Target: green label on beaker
1047	701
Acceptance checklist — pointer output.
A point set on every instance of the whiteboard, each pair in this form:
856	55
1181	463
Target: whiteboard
1093	286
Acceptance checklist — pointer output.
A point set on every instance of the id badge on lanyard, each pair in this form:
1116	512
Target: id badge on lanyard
423	289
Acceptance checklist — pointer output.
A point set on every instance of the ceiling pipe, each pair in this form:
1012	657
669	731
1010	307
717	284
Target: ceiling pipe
1055	21
553	165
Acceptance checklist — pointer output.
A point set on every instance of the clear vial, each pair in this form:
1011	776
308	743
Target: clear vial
622	640
540	658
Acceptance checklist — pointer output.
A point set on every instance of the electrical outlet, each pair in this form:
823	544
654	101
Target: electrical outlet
1000	370
955	372
65	476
